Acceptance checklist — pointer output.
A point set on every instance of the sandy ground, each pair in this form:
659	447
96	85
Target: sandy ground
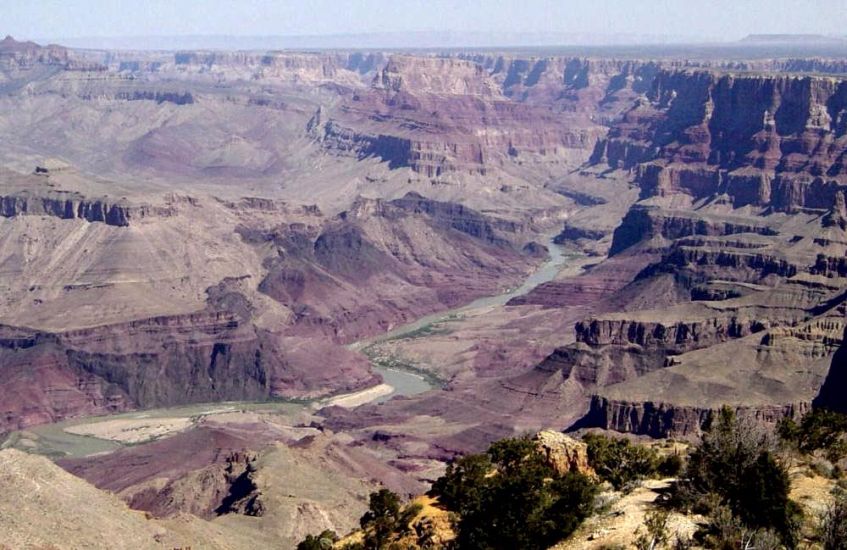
351	400
620	525
131	430
810	490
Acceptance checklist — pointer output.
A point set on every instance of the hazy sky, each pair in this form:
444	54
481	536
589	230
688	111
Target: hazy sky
722	19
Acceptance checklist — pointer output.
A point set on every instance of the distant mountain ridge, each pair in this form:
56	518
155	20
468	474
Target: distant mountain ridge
394	40
793	39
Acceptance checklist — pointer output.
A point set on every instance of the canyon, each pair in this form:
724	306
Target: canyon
249	235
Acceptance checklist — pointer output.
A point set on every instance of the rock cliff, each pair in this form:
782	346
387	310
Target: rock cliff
162	361
564	453
643	223
69	206
25	55
762	139
667	420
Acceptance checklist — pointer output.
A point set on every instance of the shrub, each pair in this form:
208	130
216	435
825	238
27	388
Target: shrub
460	488
671	466
788	431
324	541
833	525
725	531
823	467
655	533
734	465
618	461
385	520
820	429
510	497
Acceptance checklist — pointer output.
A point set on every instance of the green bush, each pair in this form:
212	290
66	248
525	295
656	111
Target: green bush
734	465
820	429
324	541
510	497
655	533
384	522
460	488
385	519
618	461
725	531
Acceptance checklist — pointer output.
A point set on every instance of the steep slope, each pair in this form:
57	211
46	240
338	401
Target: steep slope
263	476
416	255
44	506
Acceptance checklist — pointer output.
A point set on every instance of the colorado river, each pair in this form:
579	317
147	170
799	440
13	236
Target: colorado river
406	381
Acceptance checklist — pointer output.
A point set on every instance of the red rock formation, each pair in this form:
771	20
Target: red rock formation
674	337
439	115
776	140
216	460
162	361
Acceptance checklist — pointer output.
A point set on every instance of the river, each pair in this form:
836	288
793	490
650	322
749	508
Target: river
407	381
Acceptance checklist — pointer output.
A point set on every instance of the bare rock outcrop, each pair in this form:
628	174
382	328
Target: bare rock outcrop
323	274
564	453
347	69
162	361
152	362
661	420
208	471
643	223
70	206
676	336
25	55
442	115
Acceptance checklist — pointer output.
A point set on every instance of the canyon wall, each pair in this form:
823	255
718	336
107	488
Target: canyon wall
74	206
662	420
773	140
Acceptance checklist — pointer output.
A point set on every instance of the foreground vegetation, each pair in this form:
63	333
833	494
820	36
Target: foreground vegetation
511	497
735	480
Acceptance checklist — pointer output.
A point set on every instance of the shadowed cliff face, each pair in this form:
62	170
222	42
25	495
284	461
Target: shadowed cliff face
204	357
644	223
832	393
